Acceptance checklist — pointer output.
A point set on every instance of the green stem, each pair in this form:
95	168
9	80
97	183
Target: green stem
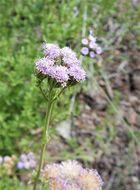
44	143
57	96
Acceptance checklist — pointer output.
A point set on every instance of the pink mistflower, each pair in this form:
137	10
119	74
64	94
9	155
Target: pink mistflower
60	74
73	187
69	61
52	51
61	65
77	73
56	183
67	52
70	175
71	168
57	72
90	179
44	66
51	171
69	57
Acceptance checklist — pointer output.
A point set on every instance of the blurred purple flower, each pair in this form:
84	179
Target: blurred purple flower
6	158
92	54
92	45
30	155
23	157
84	41
20	165
27	161
27	165
99	50
92	38
93	48
84	51
32	163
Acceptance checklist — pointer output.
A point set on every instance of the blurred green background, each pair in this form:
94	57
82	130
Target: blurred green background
24	25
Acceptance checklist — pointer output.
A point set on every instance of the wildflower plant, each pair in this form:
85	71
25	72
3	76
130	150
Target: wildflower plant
90	46
9	165
61	69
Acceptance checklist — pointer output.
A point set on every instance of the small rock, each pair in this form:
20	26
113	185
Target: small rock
131	116
135	179
64	129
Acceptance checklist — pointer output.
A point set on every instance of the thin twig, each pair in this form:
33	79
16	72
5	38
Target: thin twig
57	96
110	182
43	93
108	86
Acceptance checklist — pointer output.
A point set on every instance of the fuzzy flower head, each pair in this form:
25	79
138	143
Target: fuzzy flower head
84	51
60	73
51	171
71	168
73	187
69	57
45	66
52	51
67	52
77	73
61	65
70	175
84	41
90	47
56	183
90	180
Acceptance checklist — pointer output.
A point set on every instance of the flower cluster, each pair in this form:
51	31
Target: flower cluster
61	65
27	161
70	175
90	47
7	164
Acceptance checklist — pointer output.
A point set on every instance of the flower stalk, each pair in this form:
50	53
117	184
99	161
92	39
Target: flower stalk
61	68
45	138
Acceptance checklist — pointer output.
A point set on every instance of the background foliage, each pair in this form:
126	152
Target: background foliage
24	25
